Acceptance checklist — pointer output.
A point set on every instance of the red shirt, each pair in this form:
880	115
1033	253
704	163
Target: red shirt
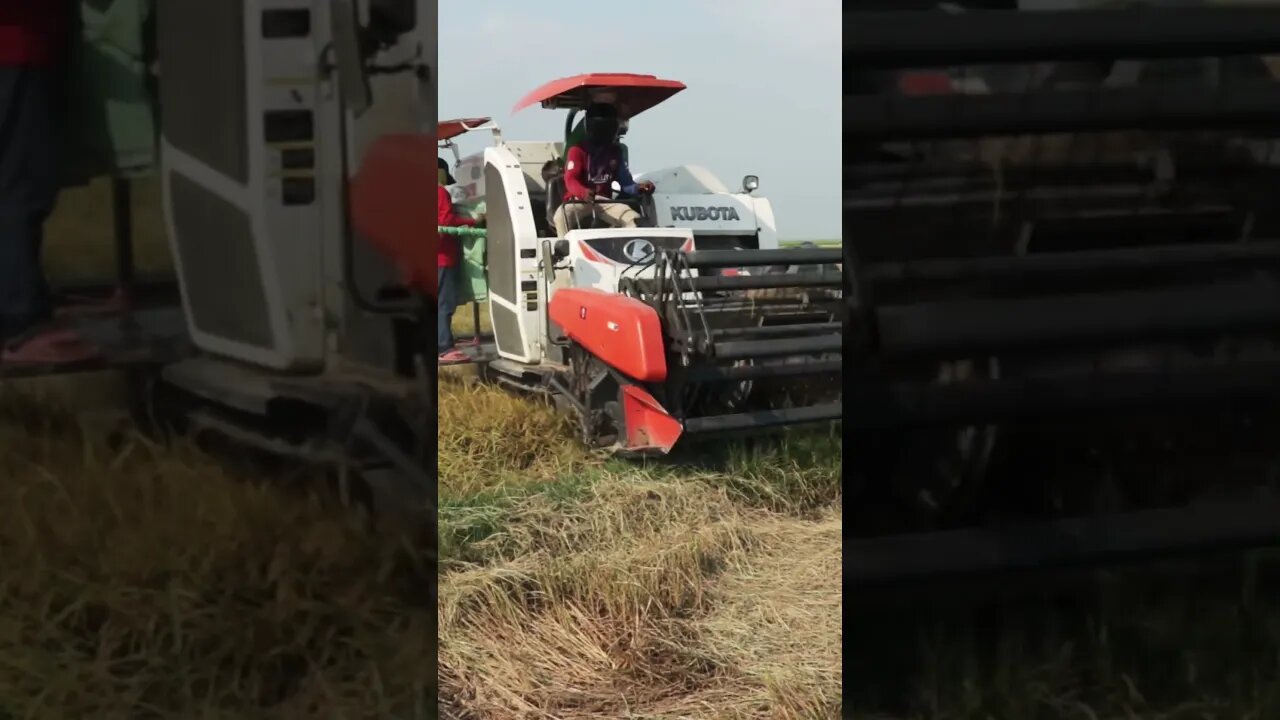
588	174
450	248
31	32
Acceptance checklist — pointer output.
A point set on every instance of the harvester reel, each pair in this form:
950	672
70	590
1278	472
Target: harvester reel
929	476
705	399
960	457
735	397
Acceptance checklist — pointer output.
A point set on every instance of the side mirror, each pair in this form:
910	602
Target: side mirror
750	183
548	263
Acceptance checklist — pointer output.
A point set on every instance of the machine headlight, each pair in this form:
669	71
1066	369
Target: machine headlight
750	183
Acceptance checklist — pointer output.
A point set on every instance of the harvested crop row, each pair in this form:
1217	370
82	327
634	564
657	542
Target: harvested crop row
577	587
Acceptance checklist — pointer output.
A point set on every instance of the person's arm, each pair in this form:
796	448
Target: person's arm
625	180
446	217
628	183
574	168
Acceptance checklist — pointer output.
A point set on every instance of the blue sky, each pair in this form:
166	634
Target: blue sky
763	77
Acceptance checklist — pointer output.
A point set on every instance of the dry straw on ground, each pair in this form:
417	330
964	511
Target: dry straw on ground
145	582
576	587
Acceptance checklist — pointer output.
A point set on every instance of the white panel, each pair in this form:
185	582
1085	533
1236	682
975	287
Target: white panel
525	237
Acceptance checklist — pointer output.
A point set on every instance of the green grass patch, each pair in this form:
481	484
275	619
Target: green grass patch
467	522
793	472
796	473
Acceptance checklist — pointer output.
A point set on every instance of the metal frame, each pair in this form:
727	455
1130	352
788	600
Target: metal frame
1253	106
974	293
921	39
928	38
693	305
1122	538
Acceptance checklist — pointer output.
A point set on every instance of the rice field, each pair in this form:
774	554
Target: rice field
147	581
575	586
143	581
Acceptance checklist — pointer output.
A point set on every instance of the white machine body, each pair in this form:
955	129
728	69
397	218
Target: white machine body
692	197
600	259
688	196
525	267
254	161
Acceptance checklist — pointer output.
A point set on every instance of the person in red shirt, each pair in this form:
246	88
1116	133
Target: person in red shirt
590	170
32	37
449	257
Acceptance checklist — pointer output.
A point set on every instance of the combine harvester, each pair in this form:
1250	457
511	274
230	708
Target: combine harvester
293	190
695	323
1064	286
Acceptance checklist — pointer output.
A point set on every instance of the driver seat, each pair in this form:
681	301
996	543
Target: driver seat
553	176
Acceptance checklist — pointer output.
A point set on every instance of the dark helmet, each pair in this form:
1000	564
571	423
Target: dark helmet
601	123
442	164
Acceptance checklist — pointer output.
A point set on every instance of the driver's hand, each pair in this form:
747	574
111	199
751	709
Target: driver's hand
480	220
646	187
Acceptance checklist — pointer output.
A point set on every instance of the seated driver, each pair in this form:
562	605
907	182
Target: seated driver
589	172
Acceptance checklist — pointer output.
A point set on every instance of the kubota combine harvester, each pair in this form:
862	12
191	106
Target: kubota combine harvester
1064	284
694	323
295	153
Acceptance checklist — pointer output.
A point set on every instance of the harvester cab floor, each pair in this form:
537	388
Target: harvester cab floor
149	331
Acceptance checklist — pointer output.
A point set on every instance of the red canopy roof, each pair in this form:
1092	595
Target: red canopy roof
633	94
447	129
